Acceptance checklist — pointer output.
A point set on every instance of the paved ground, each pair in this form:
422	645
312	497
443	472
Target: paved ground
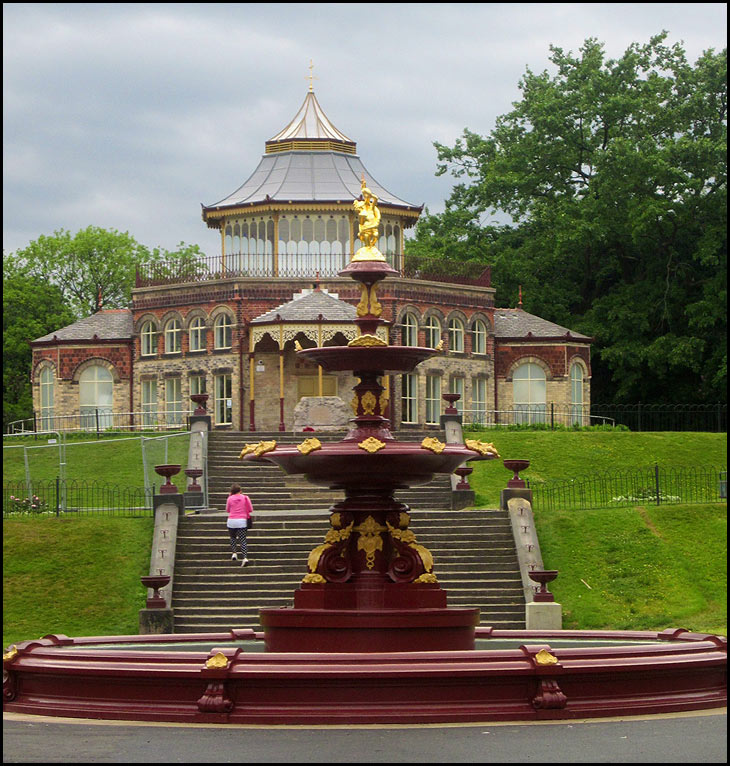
677	738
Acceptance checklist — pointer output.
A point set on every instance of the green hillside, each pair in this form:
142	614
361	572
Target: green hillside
631	568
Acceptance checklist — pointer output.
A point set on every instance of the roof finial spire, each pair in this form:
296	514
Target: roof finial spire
519	303
311	77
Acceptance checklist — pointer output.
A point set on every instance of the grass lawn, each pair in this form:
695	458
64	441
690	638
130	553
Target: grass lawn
570	454
639	568
78	576
111	459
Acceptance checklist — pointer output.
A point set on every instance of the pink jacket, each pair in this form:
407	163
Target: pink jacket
239	506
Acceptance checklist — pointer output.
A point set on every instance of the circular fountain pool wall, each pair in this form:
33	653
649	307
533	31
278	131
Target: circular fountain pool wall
229	678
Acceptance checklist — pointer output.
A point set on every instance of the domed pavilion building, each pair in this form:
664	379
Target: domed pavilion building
229	324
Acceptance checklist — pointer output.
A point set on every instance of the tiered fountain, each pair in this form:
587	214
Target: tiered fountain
370	587
369	638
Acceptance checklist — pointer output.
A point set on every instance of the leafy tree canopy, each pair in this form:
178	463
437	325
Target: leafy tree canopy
31	308
614	173
95	267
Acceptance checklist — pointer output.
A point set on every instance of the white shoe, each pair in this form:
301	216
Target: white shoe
244	562
234	557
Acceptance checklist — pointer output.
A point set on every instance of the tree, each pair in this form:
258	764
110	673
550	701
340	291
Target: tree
614	173
95	267
31	308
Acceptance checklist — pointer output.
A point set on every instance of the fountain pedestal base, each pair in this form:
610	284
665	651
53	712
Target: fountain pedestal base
369	630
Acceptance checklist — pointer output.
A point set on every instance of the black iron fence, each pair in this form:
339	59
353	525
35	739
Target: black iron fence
23	499
655	485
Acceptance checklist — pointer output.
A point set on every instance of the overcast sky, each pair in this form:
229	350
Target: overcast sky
129	116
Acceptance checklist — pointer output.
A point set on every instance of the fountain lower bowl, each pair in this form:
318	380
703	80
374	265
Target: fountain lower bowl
345	465
226	678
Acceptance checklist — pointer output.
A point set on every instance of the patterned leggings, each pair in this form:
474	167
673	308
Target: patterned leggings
238	536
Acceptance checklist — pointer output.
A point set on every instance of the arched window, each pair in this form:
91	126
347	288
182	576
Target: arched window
95	397
47	397
149	339
456	335
433	332
173	337
223	331
410	330
576	393
529	393
197	334
480	337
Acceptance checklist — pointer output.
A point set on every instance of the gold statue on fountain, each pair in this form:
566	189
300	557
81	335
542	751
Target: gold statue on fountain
369	220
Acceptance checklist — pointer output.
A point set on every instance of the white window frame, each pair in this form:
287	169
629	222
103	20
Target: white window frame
479	399
577	379
173	336
433	399
99	412
47	383
223	399
456	335
409	398
410	330
148	339
197	334
173	401
480	337
433	332
149	402
223	332
533	409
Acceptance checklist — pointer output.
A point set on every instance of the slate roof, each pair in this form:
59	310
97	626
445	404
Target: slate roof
516	323
310	122
319	172
308	176
307	307
107	324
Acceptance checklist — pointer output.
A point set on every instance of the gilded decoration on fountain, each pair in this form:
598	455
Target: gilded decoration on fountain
309	445
426	577
544	657
440	345
369	224
483	448
263	447
298	346
370	540
368	403
333	537
433	444
369	304
313	577
246	449
11	654
367	340
218	661
405	536
371	444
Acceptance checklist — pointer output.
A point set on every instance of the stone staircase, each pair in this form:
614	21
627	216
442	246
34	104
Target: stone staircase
270	489
474	553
